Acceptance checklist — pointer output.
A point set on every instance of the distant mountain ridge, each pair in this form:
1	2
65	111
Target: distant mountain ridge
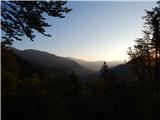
95	65
50	61
47	61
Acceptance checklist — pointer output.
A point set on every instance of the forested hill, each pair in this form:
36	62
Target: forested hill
36	95
47	62
61	95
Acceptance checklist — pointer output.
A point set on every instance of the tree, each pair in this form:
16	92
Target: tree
152	23
141	56
104	70
23	18
146	56
147	49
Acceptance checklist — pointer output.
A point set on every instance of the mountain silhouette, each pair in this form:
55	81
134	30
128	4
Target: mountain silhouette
46	61
95	65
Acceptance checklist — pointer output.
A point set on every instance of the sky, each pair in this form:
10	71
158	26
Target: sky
92	31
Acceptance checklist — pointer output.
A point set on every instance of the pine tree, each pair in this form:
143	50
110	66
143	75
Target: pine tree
104	70
152	23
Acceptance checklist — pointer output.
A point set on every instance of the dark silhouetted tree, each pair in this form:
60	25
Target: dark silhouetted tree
22	18
141	56
152	23
147	49
104	70
145	59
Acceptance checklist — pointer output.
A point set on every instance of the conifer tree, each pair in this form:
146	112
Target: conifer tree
104	70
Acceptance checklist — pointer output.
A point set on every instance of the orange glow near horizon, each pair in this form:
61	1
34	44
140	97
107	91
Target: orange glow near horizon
110	57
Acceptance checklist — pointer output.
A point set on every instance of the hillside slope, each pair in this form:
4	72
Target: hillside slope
46	61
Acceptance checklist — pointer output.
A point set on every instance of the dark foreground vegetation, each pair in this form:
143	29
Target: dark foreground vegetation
31	93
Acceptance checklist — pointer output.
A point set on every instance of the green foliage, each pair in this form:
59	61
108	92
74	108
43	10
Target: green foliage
9	83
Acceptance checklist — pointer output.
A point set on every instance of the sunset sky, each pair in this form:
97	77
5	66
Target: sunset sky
93	30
